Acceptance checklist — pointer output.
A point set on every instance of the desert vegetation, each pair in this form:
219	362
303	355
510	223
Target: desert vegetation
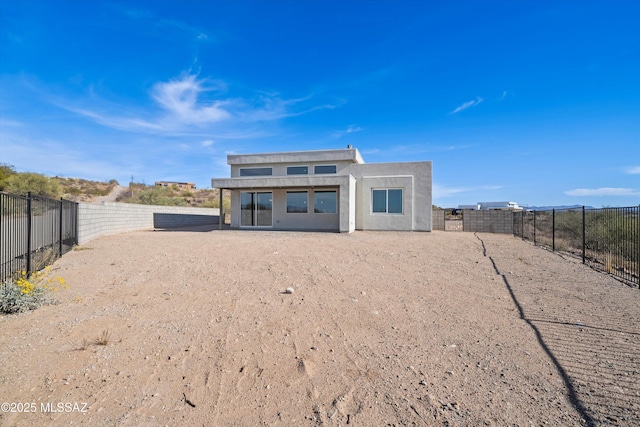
83	190
75	189
29	292
173	196
607	238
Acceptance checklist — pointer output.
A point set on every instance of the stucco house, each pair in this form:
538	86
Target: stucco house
328	190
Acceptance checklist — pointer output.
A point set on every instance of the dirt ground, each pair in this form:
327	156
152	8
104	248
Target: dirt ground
194	328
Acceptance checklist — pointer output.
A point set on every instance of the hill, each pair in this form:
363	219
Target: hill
84	190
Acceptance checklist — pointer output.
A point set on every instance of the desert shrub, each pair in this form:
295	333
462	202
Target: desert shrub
37	184
159	196
99	191
6	171
28	293
214	202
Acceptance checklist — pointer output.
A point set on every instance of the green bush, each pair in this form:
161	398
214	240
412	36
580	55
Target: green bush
5	172
159	196
37	184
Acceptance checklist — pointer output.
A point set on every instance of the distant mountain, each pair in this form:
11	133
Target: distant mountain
548	208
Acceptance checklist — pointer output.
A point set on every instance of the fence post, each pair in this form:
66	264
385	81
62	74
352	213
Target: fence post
220	212
60	228
76	223
28	270
584	237
534	228
553	230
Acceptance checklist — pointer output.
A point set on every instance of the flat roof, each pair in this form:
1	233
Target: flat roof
349	154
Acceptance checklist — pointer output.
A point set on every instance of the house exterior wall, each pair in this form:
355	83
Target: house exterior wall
354	182
415	180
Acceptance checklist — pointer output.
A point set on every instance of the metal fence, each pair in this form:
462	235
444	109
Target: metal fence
606	239
34	232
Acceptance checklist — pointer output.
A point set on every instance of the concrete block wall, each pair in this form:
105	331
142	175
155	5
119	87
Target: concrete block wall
95	220
489	221
438	219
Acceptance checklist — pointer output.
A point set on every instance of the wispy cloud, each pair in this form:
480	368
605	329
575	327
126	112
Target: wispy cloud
605	191
422	148
633	170
350	129
195	32
152	20
188	105
9	123
441	191
180	97
467	105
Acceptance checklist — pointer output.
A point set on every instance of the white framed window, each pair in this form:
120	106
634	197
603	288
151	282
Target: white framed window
297	201
325	169
386	201
256	171
325	202
297	170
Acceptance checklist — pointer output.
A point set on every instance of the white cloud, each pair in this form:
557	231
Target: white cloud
634	170
188	106
467	104
606	191
348	130
9	123
197	33
207	143
180	97
440	191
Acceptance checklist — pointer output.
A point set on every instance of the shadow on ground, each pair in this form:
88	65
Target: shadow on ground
597	357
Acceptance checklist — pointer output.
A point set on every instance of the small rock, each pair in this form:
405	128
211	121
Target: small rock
289	291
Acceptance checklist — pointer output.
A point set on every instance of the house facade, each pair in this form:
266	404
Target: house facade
327	190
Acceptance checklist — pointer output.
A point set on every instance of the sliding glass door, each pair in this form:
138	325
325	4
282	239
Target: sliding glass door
256	209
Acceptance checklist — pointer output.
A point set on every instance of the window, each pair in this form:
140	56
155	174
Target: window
297	170
387	201
325	202
297	201
256	171
322	169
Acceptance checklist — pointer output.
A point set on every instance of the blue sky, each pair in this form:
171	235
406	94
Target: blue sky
536	102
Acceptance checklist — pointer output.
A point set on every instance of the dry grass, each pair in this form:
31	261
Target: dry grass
103	338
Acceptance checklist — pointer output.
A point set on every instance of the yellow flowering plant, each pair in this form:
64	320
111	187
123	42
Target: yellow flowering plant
28	292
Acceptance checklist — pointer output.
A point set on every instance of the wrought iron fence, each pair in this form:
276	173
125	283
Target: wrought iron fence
34	232
606	239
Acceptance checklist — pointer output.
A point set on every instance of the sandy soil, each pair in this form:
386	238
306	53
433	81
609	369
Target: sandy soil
394	329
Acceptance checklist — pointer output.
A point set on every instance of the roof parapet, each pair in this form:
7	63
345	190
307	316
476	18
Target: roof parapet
350	154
